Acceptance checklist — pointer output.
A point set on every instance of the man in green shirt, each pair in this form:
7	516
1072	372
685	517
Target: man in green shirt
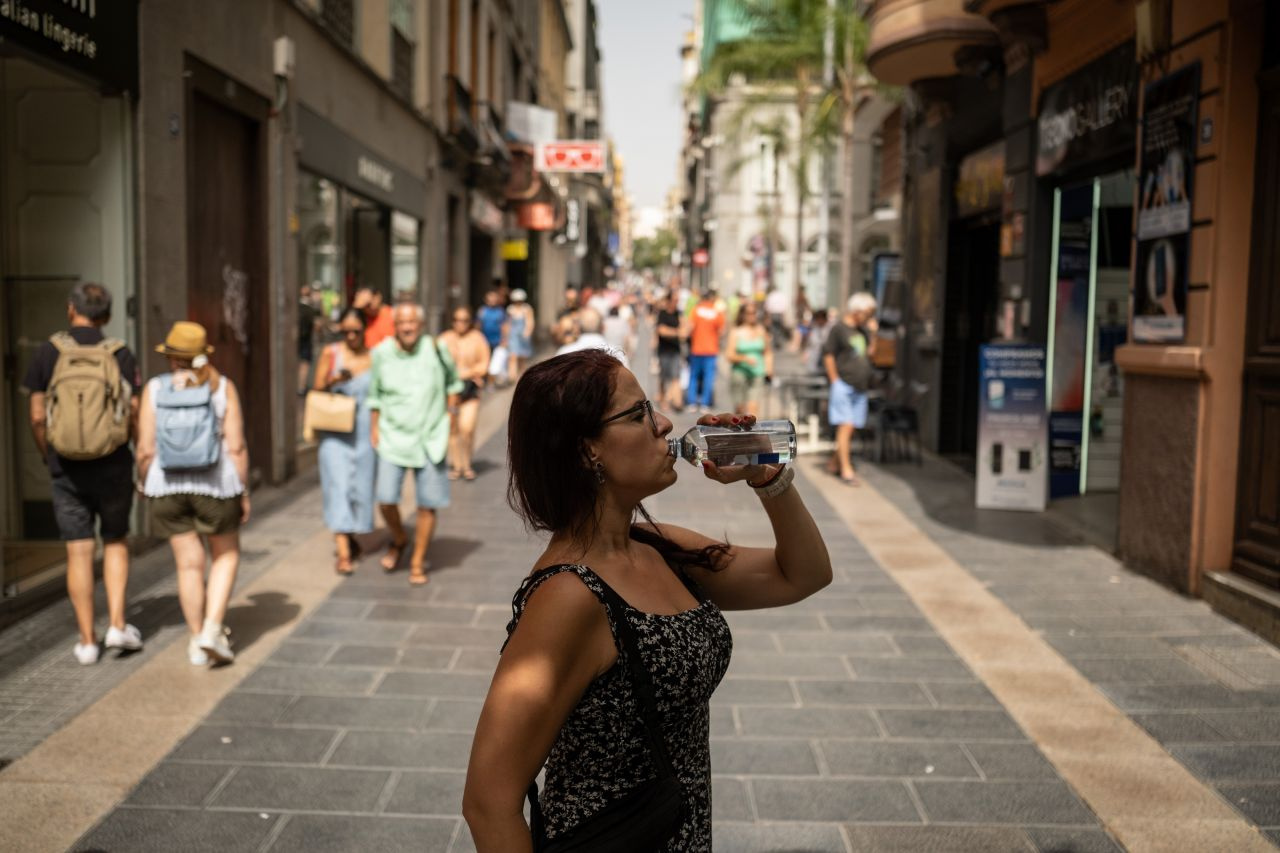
413	388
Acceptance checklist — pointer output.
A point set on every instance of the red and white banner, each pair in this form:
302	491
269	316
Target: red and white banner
571	155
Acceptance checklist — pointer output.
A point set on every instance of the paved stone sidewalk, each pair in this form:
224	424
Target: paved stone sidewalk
42	686
1205	688
844	723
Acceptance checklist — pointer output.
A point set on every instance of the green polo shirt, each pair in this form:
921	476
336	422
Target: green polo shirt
409	390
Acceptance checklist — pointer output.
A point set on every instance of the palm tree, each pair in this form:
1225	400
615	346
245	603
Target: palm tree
782	58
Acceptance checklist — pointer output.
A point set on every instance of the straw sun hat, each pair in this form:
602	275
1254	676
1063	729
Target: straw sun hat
185	340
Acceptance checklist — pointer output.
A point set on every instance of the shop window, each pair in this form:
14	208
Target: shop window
402	48
405	249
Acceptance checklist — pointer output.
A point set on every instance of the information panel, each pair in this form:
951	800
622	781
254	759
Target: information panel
1012	422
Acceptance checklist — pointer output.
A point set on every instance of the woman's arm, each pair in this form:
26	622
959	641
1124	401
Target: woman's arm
731	348
233	435
796	567
768	353
323	367
145	449
561	644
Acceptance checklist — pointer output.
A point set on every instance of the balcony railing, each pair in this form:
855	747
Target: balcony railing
340	19
462	125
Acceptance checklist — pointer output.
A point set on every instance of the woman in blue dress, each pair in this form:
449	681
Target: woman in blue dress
347	461
519	333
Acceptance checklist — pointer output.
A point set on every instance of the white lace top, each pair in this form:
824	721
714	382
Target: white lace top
220	481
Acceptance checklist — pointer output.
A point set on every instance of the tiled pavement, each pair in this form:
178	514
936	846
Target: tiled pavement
845	723
41	685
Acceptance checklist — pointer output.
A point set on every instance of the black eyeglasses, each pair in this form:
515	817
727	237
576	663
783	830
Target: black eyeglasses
643	406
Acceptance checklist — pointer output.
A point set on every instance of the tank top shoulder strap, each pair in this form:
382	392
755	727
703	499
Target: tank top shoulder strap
531	583
335	358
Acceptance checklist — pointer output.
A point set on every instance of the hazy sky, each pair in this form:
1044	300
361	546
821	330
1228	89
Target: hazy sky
640	42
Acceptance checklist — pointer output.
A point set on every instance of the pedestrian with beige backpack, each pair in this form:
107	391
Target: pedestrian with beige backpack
83	389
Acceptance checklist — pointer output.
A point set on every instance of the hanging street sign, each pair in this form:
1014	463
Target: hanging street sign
582	156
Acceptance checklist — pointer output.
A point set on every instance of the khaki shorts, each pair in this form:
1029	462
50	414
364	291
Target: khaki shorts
175	514
744	388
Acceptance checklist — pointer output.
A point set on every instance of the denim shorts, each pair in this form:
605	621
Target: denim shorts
847	405
430	484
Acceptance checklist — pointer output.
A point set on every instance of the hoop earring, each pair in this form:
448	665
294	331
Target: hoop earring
599	469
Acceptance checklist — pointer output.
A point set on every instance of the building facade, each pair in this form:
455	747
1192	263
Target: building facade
249	170
1069	189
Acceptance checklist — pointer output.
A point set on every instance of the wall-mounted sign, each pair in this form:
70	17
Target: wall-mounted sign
98	38
1012	452
701	257
980	181
530	123
485	215
1170	112
329	151
1090	115
583	156
515	250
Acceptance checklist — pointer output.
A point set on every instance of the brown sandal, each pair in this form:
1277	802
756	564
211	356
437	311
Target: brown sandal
418	576
344	567
391	560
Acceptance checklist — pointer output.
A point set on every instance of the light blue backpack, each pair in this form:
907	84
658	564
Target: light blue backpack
188	437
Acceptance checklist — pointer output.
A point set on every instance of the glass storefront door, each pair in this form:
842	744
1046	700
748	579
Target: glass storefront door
65	217
1088	320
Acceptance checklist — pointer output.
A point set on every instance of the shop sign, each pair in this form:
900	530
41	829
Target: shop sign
536	216
980	181
1089	115
485	214
701	257
98	38
530	123
1012	454
329	151
515	250
581	156
1169	116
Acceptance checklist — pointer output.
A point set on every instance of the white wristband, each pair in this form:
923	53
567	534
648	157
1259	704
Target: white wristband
780	484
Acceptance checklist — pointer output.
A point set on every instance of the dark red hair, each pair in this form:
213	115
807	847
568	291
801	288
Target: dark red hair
558	406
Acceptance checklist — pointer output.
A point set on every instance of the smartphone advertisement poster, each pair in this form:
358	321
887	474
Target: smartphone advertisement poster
1012	428
1164	212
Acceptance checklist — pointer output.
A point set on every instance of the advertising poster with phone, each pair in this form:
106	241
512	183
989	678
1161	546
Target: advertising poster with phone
1171	106
1012	428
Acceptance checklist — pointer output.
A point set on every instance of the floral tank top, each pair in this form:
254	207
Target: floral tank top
600	753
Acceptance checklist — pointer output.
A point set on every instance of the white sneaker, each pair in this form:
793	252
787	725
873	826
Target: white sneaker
214	642
87	654
195	654
128	638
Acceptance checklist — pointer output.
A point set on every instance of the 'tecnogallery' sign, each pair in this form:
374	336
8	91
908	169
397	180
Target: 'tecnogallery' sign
1090	115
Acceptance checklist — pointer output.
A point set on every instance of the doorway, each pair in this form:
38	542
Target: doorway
973	273
227	288
65	217
1257	545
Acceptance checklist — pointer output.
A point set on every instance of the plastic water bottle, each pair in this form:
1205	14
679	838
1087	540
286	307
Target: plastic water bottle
768	442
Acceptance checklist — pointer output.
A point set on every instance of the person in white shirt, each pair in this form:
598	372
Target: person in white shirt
591	338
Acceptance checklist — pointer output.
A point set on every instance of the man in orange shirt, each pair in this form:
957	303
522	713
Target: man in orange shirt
378	322
706	324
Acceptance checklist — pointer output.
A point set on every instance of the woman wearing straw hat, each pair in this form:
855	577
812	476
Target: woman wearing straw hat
193	466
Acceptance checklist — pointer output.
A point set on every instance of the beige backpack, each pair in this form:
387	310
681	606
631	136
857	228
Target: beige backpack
87	399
